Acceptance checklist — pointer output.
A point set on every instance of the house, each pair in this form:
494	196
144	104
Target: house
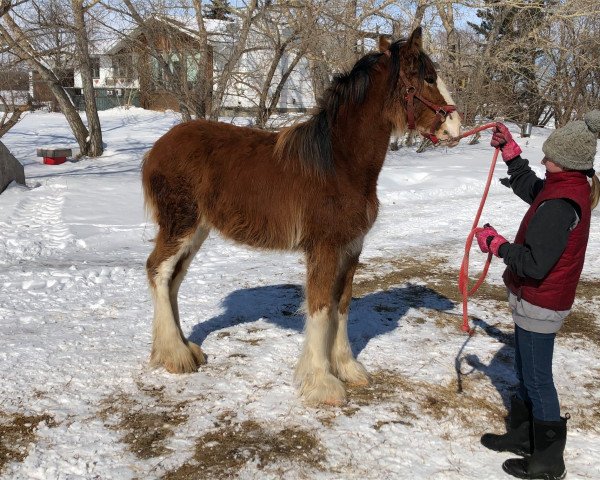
126	73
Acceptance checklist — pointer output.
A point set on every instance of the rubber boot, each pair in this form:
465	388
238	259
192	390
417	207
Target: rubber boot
546	462
518	435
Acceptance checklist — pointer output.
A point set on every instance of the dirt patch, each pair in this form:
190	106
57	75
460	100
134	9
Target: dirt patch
16	433
586	417
254	329
251	341
145	426
584	321
437	277
582	324
238	355
434	271
412	397
588	289
220	454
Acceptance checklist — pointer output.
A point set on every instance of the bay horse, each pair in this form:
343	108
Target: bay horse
311	187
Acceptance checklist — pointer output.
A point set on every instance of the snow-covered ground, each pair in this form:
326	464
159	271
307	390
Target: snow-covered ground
78	400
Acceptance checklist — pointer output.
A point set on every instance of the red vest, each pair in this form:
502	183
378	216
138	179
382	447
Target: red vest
557	290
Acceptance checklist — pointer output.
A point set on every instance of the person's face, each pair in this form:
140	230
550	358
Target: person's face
551	166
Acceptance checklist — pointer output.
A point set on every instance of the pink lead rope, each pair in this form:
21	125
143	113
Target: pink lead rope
463	278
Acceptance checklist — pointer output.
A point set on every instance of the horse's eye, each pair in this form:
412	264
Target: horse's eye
430	79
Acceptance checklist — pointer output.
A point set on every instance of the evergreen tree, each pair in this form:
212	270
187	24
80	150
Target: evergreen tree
218	10
516	56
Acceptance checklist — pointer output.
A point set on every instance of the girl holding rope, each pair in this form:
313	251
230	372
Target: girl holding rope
543	267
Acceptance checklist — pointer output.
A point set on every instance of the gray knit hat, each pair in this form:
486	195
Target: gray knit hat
574	145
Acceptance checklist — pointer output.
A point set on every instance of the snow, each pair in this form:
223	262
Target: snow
75	317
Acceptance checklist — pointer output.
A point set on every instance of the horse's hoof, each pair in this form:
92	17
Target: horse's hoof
353	373
326	391
197	352
175	360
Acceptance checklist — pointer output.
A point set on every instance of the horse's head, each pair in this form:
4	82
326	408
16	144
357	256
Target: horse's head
420	99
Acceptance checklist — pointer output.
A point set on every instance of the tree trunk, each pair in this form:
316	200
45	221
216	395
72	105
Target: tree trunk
23	49
204	87
319	76
233	59
419	13
446	14
15	112
95	147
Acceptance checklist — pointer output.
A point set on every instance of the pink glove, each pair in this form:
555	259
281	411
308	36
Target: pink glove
502	139
489	239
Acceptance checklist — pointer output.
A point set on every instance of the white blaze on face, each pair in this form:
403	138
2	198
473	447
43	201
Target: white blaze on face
451	127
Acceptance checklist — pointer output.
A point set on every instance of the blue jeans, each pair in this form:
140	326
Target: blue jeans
533	366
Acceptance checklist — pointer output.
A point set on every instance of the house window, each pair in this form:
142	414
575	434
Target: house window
175	65
95	64
122	67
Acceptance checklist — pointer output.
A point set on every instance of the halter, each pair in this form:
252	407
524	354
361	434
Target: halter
441	111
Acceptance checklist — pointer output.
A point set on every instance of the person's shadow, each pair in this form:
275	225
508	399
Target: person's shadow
500	369
372	315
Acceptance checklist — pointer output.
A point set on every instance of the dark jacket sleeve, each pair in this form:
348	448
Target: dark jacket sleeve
548	230
545	240
523	181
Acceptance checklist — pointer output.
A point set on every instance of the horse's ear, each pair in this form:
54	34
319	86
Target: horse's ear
384	43
416	39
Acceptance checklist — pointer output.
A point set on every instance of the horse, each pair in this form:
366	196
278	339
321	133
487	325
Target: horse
310	187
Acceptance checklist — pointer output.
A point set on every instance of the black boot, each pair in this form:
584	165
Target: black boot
546	462
517	437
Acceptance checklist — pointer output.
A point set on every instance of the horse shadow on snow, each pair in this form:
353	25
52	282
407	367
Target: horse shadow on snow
370	316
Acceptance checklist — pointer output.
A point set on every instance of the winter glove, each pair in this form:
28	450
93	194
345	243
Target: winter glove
489	239
502	139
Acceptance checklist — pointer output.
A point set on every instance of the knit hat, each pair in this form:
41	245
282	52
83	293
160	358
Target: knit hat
574	145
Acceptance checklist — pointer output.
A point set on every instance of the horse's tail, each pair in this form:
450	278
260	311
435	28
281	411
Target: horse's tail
149	199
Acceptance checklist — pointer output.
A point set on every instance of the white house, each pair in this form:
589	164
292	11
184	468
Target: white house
119	69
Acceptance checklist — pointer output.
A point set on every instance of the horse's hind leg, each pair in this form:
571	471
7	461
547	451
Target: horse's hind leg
313	373
343	363
178	275
166	268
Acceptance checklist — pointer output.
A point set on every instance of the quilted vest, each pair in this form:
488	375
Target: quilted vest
557	290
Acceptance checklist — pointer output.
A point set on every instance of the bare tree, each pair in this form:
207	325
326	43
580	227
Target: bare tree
94	144
14	89
24	33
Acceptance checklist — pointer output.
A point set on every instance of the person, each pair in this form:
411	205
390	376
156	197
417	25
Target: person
543	266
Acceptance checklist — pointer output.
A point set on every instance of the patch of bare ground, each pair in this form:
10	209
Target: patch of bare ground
439	278
584	320
221	453
17	431
411	398
145	427
586	417
434	271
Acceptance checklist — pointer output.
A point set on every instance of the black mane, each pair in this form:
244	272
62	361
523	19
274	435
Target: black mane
310	141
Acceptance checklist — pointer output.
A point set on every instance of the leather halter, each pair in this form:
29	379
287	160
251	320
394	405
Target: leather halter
441	111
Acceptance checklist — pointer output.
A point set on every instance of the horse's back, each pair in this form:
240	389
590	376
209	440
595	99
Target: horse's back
202	140
230	176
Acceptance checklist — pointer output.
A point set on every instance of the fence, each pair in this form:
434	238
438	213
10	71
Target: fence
107	97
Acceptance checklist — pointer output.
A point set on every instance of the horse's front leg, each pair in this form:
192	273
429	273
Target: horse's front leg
313	373
343	363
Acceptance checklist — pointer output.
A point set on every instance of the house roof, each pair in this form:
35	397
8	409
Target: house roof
216	29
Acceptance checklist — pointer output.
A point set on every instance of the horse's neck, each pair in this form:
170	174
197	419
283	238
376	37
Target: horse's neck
363	132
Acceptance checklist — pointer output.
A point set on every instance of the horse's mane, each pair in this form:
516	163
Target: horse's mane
309	142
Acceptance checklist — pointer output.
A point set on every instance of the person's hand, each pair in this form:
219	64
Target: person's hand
489	239
502	139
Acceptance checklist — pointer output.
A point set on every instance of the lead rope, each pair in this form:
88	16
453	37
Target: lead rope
463	278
